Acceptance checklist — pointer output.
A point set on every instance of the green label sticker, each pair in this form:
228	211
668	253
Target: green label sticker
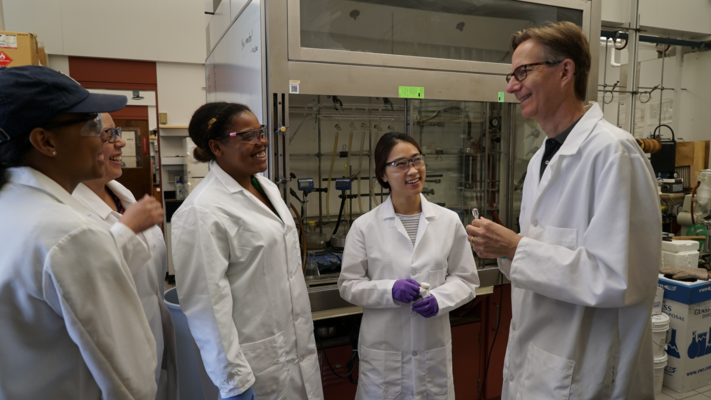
412	92
501	97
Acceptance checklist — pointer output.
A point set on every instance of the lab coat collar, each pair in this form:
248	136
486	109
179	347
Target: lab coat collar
234	187
581	131
29	176
229	182
91	200
125	195
389	210
96	204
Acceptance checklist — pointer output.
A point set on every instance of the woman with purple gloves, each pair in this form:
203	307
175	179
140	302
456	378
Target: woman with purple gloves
392	252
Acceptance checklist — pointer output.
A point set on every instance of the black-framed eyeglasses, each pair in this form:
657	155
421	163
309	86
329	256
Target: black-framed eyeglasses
521	72
111	134
93	124
251	135
403	164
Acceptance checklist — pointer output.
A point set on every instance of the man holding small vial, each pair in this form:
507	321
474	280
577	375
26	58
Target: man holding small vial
583	270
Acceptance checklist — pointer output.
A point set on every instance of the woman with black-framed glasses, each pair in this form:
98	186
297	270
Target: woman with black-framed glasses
405	343
72	324
238	266
134	226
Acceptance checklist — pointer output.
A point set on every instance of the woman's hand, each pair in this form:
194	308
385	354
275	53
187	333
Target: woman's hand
405	290
247	395
426	307
143	215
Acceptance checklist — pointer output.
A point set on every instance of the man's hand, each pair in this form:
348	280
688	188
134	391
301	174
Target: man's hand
146	213
686	273
491	240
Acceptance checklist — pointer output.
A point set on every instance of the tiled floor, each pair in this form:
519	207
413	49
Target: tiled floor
703	393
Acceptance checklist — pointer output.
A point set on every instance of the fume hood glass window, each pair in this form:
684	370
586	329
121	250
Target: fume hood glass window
462	145
331	142
451	29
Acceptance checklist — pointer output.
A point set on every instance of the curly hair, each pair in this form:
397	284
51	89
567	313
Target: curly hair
12	154
209	122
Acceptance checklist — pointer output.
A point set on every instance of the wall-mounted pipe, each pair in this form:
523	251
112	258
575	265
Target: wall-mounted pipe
656	39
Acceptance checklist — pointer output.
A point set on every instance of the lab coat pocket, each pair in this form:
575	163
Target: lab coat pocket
437	277
438	369
380	373
545	376
565	237
267	359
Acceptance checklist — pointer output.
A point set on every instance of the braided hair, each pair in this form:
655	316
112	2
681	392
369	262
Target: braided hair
12	153
209	122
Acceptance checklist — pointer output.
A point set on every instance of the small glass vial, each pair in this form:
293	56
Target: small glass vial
311	271
424	290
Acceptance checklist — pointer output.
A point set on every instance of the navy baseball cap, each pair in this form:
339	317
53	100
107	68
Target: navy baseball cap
32	95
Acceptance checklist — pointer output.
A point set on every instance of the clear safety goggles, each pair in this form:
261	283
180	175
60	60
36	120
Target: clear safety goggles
92	127
403	164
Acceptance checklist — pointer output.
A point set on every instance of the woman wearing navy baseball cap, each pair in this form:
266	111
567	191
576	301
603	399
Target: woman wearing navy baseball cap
72	324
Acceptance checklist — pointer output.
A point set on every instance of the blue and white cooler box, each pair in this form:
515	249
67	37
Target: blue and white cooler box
688	305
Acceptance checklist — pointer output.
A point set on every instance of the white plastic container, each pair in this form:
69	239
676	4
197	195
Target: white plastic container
658	301
424	290
659	364
660	326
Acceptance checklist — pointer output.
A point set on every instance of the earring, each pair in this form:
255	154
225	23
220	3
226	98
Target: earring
54	153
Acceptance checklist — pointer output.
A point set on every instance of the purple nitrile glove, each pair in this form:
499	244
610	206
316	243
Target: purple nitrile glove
426	307
246	395
405	290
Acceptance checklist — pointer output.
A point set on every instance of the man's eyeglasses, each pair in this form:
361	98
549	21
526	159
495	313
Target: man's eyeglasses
251	135
521	72
402	164
93	125
110	134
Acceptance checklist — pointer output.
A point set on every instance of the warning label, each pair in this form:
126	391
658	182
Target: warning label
5	60
8	41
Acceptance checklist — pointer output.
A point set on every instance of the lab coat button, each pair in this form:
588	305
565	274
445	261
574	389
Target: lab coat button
301	359
414	354
414	314
413	271
535	223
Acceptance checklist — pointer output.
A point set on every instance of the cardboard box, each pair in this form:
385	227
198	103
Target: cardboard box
695	155
688	306
18	48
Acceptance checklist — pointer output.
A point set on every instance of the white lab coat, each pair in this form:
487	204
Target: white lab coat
72	324
239	280
402	354
584	274
146	256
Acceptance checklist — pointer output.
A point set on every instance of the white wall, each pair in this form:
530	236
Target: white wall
181	90
151	30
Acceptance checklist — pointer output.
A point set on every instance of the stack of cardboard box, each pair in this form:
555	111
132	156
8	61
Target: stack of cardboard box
19	48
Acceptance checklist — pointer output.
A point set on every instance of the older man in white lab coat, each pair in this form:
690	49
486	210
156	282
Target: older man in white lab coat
583	269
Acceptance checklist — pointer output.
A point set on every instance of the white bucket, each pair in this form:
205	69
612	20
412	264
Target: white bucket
658	301
659	364
660	326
